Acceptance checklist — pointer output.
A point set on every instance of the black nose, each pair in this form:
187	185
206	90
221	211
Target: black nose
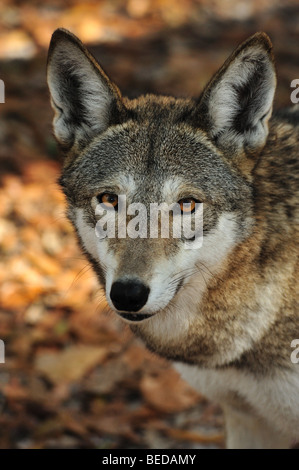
129	296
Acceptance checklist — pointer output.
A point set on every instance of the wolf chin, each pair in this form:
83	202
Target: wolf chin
226	313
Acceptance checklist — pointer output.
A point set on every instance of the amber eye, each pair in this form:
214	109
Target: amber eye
108	199
187	205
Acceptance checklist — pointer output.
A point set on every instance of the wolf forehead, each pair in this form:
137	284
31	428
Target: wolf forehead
155	143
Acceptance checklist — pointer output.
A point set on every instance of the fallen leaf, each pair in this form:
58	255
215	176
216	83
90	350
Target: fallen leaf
167	392
48	265
71	364
104	380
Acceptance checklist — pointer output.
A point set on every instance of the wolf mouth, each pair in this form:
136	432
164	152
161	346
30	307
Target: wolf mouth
135	317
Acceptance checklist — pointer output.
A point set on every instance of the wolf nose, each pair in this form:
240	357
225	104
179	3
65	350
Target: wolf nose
129	296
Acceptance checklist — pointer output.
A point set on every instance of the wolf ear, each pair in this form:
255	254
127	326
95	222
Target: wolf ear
237	103
82	96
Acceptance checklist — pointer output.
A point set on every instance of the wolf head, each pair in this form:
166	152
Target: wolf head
157	149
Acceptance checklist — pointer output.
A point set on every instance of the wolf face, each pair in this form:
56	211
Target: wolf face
164	150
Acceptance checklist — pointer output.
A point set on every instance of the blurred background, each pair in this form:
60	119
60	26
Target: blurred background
74	376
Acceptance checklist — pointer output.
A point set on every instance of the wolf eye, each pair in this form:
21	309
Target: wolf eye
108	199
189	203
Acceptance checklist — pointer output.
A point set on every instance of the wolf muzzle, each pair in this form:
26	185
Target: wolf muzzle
130	296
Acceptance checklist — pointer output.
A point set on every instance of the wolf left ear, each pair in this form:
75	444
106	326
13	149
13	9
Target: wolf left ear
82	95
237	103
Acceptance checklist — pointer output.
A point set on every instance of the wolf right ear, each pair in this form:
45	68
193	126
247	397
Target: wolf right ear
82	95
236	105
